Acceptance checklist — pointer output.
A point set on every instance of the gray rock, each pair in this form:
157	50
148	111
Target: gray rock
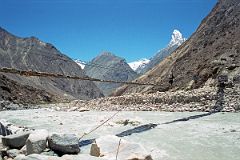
64	144
37	141
15	141
12	153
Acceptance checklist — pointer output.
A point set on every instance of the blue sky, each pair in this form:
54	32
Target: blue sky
132	29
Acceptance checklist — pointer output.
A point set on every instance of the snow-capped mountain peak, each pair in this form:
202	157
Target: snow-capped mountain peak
177	38
80	63
136	65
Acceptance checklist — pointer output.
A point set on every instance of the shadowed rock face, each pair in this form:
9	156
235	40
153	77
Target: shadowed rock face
109	67
4	131
33	54
212	50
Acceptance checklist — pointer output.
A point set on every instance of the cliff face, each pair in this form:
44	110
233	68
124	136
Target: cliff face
107	66
33	54
214	49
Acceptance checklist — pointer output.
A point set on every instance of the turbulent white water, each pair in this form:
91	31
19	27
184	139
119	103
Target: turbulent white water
214	137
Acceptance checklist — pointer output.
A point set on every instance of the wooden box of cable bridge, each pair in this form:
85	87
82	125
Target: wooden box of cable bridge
222	79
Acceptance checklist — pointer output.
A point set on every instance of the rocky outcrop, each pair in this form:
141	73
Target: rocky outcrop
107	66
33	54
213	50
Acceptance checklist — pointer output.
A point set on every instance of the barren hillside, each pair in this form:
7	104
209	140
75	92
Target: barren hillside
211	51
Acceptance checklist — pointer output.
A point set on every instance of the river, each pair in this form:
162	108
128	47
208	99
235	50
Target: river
212	137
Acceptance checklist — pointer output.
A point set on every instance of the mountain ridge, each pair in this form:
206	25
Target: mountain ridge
176	40
107	66
33	54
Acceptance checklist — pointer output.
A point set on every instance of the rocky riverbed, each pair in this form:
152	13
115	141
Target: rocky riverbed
212	137
202	100
197	100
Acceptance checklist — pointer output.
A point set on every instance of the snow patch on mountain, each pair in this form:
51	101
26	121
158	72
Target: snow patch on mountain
136	65
80	63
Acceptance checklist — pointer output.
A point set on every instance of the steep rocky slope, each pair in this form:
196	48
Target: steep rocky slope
213	50
176	40
17	93
107	66
33	54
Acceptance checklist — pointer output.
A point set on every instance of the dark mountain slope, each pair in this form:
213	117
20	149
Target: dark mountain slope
214	49
17	93
33	54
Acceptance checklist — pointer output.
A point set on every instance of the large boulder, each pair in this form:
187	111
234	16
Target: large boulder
110	146
64	144
15	141
37	141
